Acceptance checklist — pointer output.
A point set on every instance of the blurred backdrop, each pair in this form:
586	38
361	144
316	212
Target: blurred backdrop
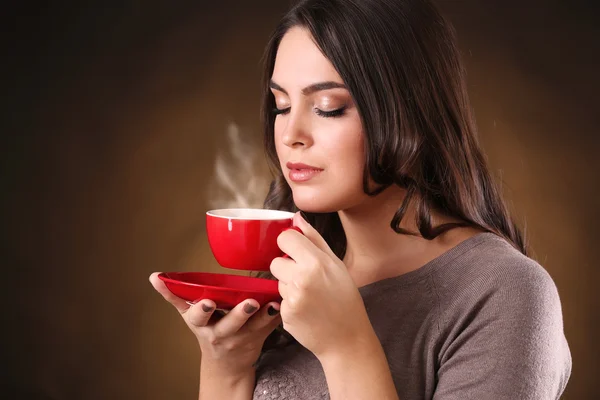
124	123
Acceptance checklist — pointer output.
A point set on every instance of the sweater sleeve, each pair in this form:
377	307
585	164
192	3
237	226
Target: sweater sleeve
508	343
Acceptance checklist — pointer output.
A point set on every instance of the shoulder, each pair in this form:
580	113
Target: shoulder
501	316
493	269
494	294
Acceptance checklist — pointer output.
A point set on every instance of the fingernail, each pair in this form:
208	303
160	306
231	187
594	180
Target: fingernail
272	311
249	308
206	308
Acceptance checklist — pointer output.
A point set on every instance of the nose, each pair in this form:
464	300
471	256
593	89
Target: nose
296	132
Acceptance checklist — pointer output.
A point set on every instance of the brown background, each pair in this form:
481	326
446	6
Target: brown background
115	117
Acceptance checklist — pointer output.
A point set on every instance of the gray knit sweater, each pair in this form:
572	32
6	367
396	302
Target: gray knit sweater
482	321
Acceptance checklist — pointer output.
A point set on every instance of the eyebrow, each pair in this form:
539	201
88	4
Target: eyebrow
315	87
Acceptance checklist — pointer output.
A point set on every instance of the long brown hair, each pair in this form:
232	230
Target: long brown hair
400	61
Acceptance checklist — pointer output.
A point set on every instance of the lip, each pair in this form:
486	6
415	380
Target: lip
301	166
300	172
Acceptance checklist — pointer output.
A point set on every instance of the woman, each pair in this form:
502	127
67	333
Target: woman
410	279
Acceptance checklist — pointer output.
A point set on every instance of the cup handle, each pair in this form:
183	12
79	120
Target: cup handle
287	229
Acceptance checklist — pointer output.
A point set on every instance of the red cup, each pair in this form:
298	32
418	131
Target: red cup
244	238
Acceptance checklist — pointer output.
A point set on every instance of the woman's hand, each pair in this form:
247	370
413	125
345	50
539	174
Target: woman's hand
231	343
322	307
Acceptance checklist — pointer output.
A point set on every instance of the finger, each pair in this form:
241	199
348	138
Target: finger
284	290
312	234
306	242
161	288
266	319
236	318
295	245
200	313
283	269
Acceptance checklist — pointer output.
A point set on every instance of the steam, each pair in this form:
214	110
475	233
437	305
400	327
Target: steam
241	177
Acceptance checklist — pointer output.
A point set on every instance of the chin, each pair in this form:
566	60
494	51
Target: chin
316	209
312	201
319	202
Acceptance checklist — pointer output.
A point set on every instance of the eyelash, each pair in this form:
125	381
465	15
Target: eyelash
325	114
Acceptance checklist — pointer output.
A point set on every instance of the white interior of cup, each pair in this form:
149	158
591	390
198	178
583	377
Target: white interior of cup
250	214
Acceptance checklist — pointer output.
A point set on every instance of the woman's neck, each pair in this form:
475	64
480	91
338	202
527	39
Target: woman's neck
374	251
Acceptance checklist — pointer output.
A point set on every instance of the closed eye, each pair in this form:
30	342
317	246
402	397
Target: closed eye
325	114
331	114
278	111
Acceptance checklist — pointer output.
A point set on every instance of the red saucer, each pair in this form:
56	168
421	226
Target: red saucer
226	291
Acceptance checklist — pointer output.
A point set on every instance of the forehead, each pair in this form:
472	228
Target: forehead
299	62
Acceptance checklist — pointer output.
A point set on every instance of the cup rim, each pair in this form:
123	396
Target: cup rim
266	214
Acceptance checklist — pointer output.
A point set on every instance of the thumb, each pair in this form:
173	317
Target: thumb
313	235
161	288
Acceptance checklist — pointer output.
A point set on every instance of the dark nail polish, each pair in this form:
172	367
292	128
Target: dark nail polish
206	308
272	311
249	308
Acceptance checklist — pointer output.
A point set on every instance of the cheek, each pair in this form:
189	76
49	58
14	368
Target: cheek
347	148
279	147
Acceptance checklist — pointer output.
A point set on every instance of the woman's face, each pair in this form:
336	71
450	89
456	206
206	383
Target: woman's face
318	131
